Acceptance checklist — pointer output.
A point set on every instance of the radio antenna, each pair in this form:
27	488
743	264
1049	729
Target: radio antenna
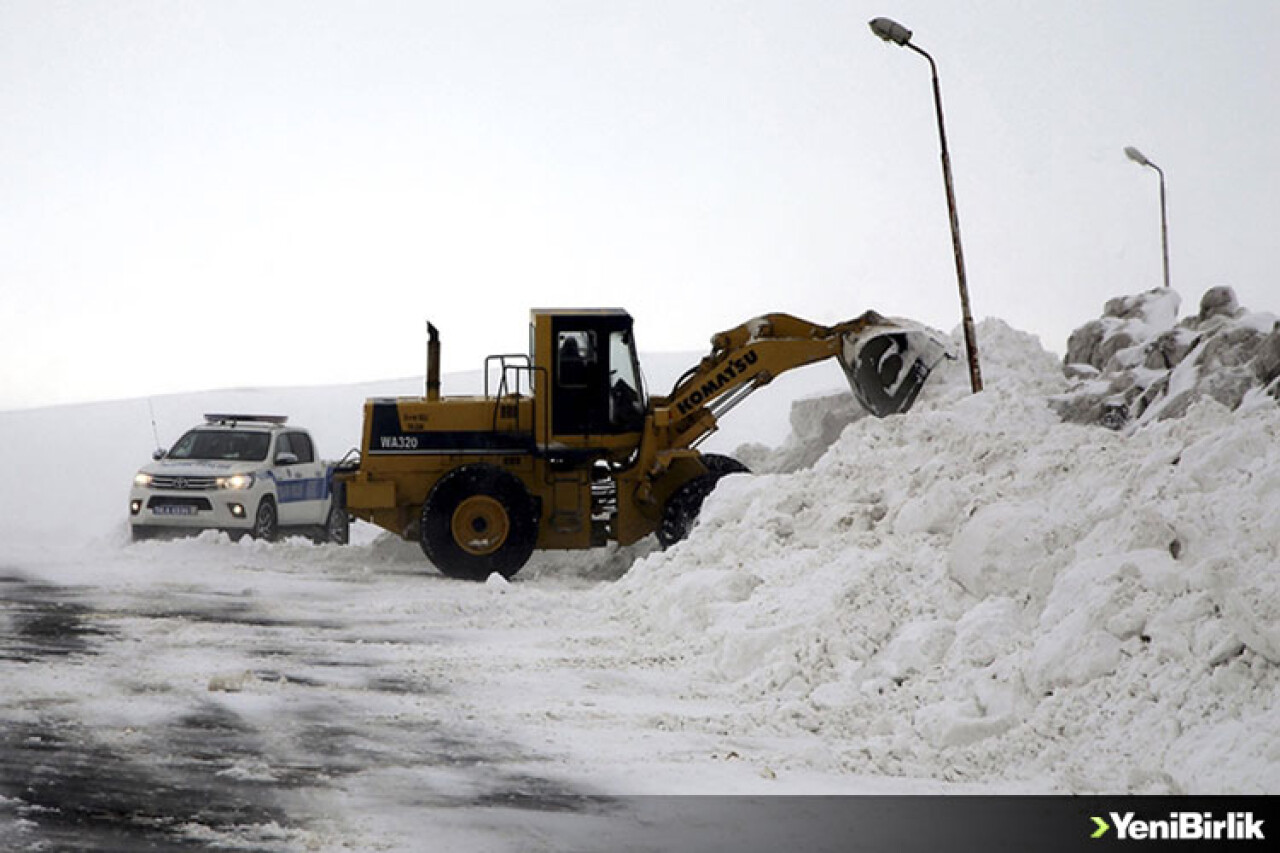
154	432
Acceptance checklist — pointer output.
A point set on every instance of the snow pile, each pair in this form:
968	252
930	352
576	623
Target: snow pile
979	591
1139	363
818	421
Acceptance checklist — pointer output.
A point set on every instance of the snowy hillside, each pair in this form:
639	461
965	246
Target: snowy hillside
979	595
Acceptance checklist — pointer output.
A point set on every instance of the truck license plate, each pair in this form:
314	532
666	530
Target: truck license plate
174	510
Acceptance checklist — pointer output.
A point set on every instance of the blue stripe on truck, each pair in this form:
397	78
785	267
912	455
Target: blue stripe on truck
308	489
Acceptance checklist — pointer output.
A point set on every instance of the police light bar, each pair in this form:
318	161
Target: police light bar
220	418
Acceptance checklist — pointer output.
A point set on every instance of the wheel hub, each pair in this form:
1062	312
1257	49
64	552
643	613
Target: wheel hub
480	525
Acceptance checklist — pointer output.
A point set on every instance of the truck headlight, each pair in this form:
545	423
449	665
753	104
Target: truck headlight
236	481
142	480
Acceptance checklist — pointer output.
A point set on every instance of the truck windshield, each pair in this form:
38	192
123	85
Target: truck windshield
221	444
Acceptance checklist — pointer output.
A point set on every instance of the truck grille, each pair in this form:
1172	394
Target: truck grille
183	484
163	501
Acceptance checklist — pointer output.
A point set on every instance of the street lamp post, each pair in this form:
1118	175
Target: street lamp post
1138	157
892	31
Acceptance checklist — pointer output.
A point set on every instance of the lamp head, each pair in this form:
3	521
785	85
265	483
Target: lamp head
890	30
1137	156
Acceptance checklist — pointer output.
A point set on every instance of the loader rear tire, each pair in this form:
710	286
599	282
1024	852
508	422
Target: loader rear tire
685	503
478	520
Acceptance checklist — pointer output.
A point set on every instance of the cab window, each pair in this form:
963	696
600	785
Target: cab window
626	399
301	443
575	357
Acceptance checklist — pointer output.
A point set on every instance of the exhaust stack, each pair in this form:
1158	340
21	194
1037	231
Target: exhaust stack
433	363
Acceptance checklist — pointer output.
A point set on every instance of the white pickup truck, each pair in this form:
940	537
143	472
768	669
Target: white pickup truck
242	474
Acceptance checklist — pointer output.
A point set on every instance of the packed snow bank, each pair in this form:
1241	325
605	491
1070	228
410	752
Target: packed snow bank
977	590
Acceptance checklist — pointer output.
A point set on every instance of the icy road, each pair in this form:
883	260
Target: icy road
201	694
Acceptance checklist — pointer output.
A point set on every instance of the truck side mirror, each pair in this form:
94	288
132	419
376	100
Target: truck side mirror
286	458
159	453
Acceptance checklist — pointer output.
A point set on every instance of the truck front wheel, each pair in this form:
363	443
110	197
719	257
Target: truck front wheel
478	520
266	523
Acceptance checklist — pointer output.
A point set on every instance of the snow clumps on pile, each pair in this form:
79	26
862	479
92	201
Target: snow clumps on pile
1139	363
977	590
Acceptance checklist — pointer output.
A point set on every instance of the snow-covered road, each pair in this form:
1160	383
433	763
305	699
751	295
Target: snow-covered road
299	697
285	695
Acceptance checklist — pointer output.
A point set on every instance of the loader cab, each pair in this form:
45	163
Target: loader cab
588	358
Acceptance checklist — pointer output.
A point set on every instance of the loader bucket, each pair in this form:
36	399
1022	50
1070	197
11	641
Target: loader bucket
887	364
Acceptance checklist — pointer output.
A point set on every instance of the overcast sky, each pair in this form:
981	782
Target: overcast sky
224	194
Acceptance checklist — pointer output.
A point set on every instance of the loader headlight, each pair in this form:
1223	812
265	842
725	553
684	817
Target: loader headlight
142	480
236	481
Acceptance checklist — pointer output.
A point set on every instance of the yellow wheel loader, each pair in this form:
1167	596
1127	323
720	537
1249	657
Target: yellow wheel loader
564	449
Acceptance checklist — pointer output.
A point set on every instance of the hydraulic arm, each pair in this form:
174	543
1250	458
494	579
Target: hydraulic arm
886	363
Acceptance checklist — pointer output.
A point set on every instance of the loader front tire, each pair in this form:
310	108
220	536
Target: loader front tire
478	520
685	503
720	465
682	509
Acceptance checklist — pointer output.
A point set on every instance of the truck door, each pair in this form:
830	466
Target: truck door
301	487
